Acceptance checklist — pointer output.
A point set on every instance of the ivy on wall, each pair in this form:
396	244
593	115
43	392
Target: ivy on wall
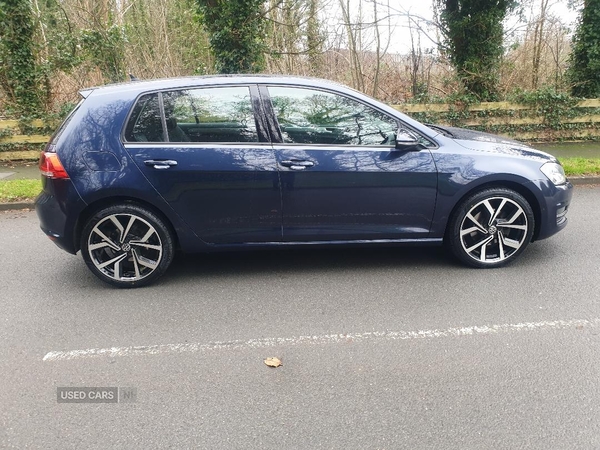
551	110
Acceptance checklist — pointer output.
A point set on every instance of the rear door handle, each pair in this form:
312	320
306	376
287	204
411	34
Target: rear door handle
297	164
160	164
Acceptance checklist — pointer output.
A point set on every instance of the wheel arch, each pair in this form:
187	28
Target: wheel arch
105	202
513	185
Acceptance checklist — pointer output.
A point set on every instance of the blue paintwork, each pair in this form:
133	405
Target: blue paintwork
358	194
236	195
225	194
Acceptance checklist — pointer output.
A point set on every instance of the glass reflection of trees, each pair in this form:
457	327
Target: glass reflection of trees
212	114
316	117
145	123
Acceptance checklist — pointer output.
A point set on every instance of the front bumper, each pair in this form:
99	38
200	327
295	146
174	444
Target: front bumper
554	206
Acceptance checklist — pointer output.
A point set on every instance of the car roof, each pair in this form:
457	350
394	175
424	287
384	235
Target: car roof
168	83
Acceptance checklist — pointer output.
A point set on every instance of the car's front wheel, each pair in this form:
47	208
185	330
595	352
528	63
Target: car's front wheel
491	228
127	245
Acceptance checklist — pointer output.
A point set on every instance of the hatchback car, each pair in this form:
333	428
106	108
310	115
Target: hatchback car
204	164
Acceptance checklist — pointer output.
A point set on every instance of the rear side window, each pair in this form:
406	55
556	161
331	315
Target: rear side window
212	114
145	123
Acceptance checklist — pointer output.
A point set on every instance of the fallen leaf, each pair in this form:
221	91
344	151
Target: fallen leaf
273	362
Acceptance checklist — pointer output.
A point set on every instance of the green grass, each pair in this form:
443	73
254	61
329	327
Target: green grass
581	166
19	190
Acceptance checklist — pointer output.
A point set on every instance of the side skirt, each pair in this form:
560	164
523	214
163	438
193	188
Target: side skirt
325	244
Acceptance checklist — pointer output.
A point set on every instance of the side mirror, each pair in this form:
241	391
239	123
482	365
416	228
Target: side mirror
405	139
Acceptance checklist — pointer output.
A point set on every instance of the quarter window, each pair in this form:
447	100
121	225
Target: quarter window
145	124
316	117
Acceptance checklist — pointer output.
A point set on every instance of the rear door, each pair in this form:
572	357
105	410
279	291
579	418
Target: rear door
206	152
341	176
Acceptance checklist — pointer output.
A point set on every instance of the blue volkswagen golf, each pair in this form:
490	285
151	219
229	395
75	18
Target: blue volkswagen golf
204	164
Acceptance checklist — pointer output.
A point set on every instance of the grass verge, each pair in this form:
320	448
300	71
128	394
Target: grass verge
19	190
577	167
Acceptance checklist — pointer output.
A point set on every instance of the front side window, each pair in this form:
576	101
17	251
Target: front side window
215	114
309	116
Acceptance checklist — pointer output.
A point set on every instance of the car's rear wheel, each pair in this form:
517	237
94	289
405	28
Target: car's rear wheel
127	245
491	228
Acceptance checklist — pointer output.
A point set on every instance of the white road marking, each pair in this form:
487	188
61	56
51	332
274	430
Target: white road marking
114	352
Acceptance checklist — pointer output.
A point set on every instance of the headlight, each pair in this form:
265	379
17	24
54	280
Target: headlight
554	172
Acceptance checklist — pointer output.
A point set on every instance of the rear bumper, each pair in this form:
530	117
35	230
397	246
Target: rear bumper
554	206
58	218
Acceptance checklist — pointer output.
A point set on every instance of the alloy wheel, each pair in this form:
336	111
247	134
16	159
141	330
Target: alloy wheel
493	230
125	247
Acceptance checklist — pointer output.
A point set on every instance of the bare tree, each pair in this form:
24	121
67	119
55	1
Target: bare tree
538	42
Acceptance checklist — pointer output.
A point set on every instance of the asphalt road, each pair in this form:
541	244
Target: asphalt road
381	348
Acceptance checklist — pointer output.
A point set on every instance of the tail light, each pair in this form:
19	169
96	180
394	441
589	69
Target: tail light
50	165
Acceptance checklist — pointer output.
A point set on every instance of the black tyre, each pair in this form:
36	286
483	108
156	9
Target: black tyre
127	245
491	228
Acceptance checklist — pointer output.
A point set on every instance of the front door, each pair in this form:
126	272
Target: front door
341	175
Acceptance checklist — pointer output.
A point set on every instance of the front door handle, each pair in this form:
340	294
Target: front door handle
160	164
297	164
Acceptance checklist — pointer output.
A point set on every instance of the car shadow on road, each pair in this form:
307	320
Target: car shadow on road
194	268
361	260
308	260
